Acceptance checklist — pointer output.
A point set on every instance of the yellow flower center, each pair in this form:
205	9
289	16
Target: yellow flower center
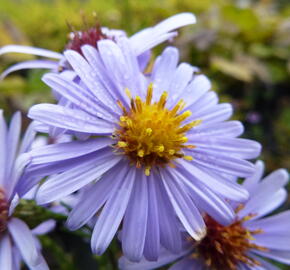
152	135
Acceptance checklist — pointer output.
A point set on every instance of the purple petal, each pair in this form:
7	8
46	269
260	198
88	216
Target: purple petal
72	119
20	164
150	43
144	59
152	241
120	59
173	22
67	150
24	240
29	50
218	113
3	147
76	95
34	173
274	224
164	69
204	106
272	203
272	241
164	258
184	208
45	64
17	259
178	82
135	219
276	176
25	184
150	37
208	201
170	235
229	129
133	78
12	143
44	227
28	138
282	256
196	90
94	198
112	213
89	77
6	252
70	181
235	147
58	166
41	266
188	263
94	59
221	163
214	182
267	188
251	182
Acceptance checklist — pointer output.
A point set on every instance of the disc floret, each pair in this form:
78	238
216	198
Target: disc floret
225	247
3	211
151	134
89	36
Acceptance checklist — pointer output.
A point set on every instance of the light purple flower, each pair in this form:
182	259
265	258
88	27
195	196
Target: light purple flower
178	155
141	43
17	242
251	238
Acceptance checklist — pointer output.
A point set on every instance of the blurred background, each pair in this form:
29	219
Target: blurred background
243	46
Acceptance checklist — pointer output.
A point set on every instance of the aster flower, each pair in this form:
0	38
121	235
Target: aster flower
244	244
141	43
17	242
150	156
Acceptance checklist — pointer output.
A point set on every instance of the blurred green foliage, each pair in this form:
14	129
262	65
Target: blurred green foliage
242	46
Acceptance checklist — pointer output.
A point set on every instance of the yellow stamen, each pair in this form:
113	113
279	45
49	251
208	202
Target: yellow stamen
128	93
138	102
189	126
129	123
122	107
152	135
149	94
141	153
183	139
171	152
183	116
148	131
123	118
122	144
189	146
160	148
162	100
177	107
147	171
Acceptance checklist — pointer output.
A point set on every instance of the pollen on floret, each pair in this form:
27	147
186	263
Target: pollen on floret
150	134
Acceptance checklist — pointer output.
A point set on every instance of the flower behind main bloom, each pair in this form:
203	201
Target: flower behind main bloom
155	146
142	42
243	243
17	241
